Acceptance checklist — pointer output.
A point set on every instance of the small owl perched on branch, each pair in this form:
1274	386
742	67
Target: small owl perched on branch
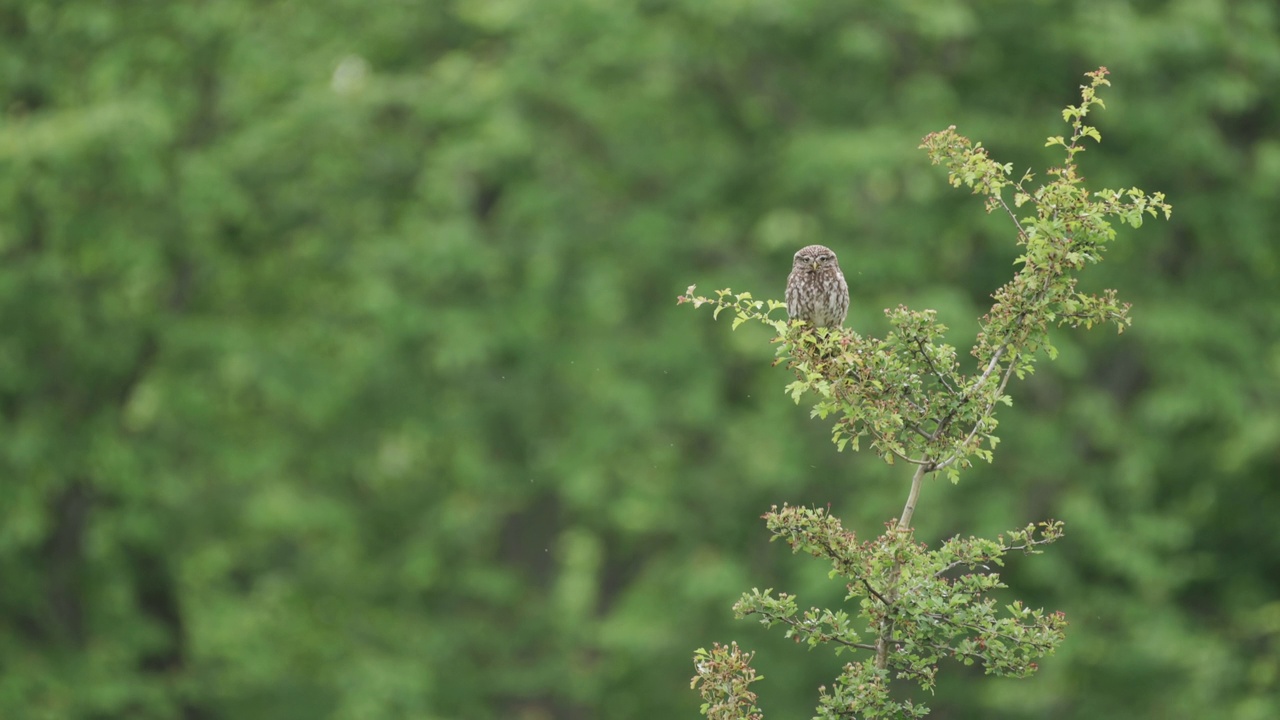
816	290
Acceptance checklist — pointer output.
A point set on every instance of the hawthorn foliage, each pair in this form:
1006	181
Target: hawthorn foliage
912	400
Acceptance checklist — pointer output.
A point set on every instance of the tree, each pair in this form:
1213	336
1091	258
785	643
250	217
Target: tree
905	393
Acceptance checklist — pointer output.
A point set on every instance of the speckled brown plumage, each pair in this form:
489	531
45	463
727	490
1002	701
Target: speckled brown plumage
816	290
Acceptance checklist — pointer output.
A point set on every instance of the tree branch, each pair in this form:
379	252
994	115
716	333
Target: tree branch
1000	198
824	636
933	368
978	425
917	480
877	595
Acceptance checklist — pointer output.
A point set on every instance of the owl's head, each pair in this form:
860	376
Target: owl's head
814	257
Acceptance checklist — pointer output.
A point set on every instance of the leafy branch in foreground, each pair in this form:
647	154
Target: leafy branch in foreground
907	396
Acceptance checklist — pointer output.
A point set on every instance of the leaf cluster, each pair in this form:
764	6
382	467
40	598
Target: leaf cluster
907	393
724	680
935	604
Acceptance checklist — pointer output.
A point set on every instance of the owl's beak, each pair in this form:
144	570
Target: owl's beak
814	264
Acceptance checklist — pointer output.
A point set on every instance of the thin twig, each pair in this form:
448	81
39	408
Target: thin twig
913	461
933	368
1021	233
948	621
827	638
946	420
913	405
877	595
948	651
1004	549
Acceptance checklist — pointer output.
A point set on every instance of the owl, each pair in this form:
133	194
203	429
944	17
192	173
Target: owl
816	290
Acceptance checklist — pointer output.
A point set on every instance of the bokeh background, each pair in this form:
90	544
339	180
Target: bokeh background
341	374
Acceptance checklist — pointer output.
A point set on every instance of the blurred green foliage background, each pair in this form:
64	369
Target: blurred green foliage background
341	374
